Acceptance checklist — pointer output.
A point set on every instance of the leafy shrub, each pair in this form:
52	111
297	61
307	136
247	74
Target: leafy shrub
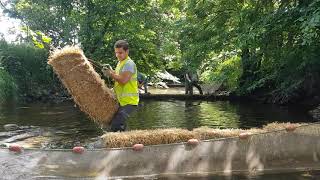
7	86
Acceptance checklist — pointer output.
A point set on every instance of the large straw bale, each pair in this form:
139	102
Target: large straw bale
167	136
84	84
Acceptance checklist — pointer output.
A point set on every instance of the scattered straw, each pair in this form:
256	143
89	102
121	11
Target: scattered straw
85	85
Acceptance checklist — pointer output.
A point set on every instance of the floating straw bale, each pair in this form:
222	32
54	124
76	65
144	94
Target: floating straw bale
84	84
210	133
167	136
147	137
280	126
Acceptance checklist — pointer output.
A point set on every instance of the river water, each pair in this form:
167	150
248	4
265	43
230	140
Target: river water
66	126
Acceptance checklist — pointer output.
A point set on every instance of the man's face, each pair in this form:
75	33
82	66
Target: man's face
121	53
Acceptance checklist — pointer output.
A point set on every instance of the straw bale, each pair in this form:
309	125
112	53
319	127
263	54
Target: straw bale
280	126
84	84
209	133
147	137
174	135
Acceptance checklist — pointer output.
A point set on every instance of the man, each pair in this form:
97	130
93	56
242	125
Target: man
192	79
143	82
125	86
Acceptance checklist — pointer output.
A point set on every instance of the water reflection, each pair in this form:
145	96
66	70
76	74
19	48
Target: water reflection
218	114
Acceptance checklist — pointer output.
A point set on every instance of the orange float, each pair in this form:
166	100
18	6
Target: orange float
15	148
290	127
138	147
193	142
245	135
78	149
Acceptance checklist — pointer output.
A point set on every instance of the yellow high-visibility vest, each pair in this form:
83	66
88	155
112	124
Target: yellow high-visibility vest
127	94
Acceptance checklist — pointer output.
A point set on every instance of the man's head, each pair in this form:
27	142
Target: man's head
121	48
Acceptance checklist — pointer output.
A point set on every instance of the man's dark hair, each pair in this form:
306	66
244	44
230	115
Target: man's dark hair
122	44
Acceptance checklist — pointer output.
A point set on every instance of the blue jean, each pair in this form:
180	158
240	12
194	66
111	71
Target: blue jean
118	122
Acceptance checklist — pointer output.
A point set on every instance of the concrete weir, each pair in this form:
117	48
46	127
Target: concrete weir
279	151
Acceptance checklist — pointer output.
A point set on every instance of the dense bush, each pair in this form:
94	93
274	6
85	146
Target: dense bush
27	66
8	87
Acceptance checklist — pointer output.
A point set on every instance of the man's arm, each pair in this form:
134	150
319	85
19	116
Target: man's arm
122	78
188	78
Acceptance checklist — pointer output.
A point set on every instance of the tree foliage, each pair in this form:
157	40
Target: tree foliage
271	46
276	40
96	25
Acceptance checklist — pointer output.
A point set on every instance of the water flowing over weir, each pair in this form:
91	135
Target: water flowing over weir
286	150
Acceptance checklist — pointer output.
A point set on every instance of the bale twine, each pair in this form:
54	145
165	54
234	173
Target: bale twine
84	84
168	136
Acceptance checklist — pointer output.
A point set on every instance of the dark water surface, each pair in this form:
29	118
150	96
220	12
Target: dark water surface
71	127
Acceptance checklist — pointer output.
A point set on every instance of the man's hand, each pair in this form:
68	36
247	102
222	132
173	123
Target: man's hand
106	71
